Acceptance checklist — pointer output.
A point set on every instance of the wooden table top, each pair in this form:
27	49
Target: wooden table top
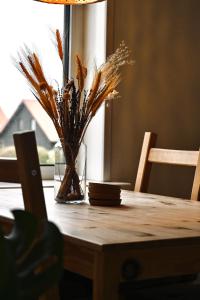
140	218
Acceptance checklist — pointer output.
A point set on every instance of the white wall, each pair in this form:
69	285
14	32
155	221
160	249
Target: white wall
89	41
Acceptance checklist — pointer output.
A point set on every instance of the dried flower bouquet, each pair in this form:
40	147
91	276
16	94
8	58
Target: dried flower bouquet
71	108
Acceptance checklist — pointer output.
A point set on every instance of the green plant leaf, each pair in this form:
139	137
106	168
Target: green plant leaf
8	278
31	258
23	232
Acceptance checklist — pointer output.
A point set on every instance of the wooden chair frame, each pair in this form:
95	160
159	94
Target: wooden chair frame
150	155
25	169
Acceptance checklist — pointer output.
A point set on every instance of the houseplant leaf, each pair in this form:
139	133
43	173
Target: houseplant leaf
31	258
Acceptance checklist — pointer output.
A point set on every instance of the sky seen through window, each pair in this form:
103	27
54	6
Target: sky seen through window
26	22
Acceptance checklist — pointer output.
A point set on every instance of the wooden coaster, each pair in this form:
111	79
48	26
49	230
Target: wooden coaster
98	202
102	187
102	196
103	191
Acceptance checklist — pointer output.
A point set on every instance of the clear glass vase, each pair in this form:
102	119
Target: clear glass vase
70	174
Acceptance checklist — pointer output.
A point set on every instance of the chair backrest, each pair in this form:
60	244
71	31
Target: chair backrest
25	169
150	154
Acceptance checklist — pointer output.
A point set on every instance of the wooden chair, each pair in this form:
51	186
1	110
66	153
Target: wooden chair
150	155
184	287
25	169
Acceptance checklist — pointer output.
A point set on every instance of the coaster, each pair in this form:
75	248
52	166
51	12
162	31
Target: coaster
98	202
102	187
106	196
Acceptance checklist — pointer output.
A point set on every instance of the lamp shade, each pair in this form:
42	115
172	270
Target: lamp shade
69	2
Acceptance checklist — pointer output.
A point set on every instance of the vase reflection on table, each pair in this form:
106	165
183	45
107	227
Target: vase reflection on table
70	175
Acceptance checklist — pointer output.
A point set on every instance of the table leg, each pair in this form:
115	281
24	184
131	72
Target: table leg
106	278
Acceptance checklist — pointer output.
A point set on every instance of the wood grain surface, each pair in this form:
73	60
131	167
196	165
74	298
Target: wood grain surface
140	217
160	235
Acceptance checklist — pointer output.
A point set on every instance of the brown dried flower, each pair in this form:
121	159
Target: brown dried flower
72	108
69	110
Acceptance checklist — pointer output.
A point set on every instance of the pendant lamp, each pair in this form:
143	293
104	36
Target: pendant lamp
69	2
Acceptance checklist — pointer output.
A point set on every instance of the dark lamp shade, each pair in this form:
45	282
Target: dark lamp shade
69	2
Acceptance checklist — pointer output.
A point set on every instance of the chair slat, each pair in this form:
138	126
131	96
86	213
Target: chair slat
195	195
176	157
9	170
144	168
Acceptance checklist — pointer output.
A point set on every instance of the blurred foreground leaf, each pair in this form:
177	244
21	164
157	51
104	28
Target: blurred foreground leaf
31	258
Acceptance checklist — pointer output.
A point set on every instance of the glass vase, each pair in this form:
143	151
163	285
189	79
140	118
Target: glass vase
70	174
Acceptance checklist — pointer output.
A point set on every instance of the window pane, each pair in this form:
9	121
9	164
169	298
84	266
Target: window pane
26	22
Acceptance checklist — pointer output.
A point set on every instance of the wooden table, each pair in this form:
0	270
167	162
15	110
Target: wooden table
148	236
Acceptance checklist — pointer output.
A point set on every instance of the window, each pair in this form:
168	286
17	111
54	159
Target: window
28	22
21	124
31	24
